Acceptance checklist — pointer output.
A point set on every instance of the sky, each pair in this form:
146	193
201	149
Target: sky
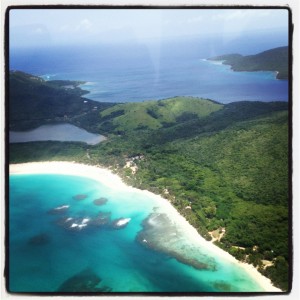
47	27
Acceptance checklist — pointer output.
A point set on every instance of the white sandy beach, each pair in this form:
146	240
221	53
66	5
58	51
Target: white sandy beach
113	181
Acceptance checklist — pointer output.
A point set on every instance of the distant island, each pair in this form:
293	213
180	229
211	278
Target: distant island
271	60
223	167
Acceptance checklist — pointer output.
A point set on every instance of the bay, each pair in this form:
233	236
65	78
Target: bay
138	72
44	253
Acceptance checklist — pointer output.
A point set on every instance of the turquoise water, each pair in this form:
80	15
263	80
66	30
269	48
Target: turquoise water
44	253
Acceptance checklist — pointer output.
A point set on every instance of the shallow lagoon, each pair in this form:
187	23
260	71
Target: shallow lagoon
114	256
58	132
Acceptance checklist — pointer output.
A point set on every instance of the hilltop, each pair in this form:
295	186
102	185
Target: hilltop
152	115
271	60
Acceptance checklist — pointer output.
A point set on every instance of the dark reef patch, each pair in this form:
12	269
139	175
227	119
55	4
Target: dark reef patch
222	286
100	201
84	281
80	197
65	222
39	240
103	218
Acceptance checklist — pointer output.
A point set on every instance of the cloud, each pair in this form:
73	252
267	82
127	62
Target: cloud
38	31
33	35
84	25
194	19
64	28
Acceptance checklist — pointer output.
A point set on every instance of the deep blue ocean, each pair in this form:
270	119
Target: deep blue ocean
138	72
45	252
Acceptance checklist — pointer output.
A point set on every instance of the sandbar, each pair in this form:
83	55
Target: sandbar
111	180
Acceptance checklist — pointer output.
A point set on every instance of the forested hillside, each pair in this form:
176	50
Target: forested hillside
126	117
224	167
270	60
34	101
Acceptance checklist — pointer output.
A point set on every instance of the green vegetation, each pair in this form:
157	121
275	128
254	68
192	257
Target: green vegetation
270	60
156	114
34	101
47	151
224	167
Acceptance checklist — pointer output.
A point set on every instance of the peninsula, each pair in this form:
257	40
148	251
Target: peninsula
271	60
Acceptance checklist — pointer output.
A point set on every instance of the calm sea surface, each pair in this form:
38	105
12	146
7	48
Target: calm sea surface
137	72
45	251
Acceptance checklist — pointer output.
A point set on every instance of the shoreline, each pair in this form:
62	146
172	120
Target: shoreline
106	177
221	63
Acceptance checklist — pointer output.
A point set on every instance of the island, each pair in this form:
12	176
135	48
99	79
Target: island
224	167
276	60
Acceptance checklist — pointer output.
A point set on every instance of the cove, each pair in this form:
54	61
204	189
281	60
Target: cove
48	254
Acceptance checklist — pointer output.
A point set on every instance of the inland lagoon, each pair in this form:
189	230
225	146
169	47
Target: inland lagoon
58	132
77	228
